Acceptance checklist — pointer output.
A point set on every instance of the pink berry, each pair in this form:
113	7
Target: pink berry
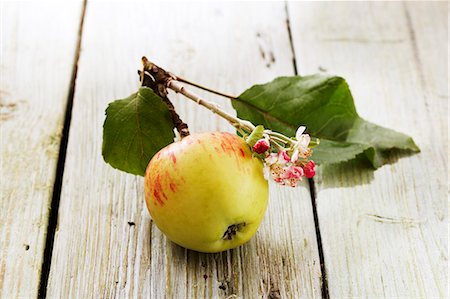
309	169
261	146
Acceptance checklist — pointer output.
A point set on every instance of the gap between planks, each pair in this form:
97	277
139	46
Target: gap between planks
312	190
56	194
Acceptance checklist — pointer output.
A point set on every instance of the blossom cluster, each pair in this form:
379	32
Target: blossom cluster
287	161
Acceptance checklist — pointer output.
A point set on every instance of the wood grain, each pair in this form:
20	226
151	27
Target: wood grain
384	233
106	245
37	49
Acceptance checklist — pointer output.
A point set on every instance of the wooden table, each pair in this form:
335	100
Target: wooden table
73	227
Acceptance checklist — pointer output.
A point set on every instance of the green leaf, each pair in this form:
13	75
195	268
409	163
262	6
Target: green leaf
331	152
135	129
324	104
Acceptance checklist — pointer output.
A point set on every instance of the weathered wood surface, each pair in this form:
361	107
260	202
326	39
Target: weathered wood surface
384	233
106	245
37	49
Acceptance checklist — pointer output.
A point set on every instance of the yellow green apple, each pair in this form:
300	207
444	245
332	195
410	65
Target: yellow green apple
207	192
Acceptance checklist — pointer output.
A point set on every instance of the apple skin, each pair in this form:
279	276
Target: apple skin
199	187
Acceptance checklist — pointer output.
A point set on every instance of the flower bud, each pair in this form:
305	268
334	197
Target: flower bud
309	169
261	146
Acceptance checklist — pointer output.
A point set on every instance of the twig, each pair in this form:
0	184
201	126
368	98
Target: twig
148	81
205	88
181	126
236	122
161	80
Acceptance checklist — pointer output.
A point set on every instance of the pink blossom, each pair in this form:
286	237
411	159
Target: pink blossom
301	146
292	175
271	159
284	172
261	146
299	171
283	157
292	172
275	170
283	168
292	182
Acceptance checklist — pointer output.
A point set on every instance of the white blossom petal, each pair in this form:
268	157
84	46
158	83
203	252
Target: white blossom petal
303	142
299	132
271	159
294	156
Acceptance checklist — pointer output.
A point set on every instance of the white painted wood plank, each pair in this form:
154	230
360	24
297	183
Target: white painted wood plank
97	252
384	233
37	51
429	29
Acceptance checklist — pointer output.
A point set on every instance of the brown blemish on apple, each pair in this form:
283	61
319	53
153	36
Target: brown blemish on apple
242	152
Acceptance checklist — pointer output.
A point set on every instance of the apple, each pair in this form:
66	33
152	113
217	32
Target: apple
207	192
